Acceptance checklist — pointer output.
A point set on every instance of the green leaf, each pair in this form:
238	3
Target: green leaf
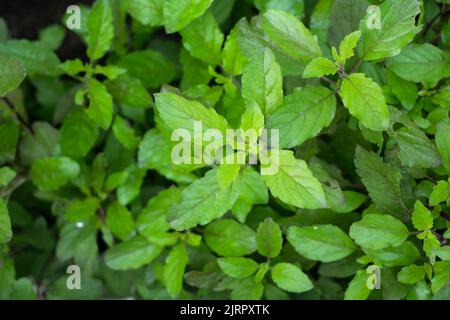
319	67
5	223
78	135
252	119
248	290
174	268
100	29
7	277
441	192
398	18
421	217
289	34
269	238
42	144
52	173
238	267
402	255
203	201
12	73
131	254
100	104
80	210
262	81
23	290
382	182
443	253
291	278
293	183
358	288
203	39
124	133
324	243
434	65
378	231
345	18
149	66
9	131
443	142
404	90
34	56
180	113
130	92
416	150
6	176
147	12
120	221
229	238
178	13
234	59
411	274
364	99
303	115
347	45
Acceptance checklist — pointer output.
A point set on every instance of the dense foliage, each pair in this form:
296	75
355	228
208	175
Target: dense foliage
360	97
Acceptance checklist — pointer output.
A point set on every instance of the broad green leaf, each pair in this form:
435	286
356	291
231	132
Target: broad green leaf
12	73
6	176
402	255
397	29
227	173
404	90
443	142
289	34
80	210
352	201
378	231
7	277
434	65
120	221
131	188
411	274
320	20
416	150
23	290
319	67
291	278
34	56
345	18
78	135
52	36
253	118
5	223
262	81
347	45
303	115
9	131
100	104
238	267
203	39
229	238
233	58
357	288
382	182
174	268
52	173
441	192
151	67
178	13
364	99
421	217
124	133
269	239
443	253
324	243
147	12
293	182
100	29
130	92
43	143
203	201
247	290
179	113
131	254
